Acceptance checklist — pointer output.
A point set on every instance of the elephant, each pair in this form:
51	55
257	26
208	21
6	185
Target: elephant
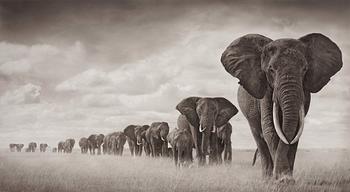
54	150
68	145
27	150
95	141
32	146
156	136
276	80
113	143
182	144
224	143
43	147
202	115
117	142
60	146
135	135
12	147
84	145
19	147
256	154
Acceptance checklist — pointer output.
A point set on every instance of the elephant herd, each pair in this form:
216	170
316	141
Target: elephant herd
276	79
31	147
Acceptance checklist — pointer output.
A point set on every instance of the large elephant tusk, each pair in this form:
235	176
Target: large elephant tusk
200	128
277	124
301	125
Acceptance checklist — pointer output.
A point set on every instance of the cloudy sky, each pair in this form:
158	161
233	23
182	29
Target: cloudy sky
72	68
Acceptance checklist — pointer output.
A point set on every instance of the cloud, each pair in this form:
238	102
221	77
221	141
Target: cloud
26	94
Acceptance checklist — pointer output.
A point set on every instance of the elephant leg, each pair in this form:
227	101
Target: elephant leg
265	156
228	152
176	156
221	147
291	155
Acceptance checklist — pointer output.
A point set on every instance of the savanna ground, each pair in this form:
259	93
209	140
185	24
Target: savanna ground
316	170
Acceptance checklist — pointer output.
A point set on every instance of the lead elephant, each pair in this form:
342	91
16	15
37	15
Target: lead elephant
156	136
202	116
95	141
68	145
276	80
19	147
84	145
32	146
60	146
12	147
224	142
181	143
134	134
42	147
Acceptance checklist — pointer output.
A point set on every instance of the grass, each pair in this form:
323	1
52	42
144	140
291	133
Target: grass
316	170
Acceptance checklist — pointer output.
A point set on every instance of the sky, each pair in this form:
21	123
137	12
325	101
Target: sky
69	69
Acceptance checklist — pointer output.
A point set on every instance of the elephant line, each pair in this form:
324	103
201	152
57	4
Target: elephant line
276	81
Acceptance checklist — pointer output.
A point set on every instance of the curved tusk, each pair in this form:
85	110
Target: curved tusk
200	128
162	138
277	124
301	125
214	129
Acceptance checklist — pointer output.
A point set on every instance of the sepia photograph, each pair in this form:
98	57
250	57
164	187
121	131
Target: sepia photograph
174	96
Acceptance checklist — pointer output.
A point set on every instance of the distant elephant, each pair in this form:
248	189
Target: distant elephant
224	142
19	147
12	147
276	80
117	142
181	143
68	145
134	134
256	154
43	147
60	146
84	145
156	135
54	150
203	116
27	150
95	141
32	146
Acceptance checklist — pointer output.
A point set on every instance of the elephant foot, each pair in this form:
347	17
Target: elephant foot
286	179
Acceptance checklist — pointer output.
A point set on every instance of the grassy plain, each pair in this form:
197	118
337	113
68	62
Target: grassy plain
316	170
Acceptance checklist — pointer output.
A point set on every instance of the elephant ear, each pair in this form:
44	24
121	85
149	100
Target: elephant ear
226	111
188	107
324	58
242	59
129	131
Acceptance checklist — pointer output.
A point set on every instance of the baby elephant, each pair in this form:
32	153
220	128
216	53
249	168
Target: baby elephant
181	143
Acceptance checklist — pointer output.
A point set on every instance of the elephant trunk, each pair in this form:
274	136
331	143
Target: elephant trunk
290	103
205	141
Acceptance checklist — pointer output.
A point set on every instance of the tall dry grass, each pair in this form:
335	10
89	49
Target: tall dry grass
326	170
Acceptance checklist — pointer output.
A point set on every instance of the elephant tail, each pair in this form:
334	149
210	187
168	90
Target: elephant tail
255	156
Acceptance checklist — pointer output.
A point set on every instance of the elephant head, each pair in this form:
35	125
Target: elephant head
206	114
161	130
288	70
129	131
140	132
292	68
